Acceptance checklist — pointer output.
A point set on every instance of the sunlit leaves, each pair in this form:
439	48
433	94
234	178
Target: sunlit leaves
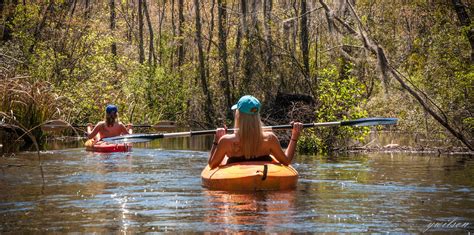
340	97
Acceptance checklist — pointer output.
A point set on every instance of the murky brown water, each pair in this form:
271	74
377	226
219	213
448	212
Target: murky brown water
157	187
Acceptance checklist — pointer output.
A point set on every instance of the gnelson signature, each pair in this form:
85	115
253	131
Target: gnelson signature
451	224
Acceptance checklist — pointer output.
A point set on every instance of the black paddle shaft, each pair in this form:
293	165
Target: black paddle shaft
148	137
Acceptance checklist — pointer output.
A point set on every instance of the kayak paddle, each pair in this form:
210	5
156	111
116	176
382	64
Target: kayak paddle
135	138
59	125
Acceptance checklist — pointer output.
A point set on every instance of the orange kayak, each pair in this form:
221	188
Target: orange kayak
106	147
250	176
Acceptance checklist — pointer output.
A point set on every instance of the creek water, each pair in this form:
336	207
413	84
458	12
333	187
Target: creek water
157	188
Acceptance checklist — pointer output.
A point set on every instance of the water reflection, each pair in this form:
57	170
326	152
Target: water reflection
155	188
194	143
114	164
259	211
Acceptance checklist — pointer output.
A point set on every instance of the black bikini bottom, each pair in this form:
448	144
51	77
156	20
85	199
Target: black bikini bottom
254	159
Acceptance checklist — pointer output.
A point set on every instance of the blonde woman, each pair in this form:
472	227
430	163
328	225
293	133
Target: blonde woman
250	142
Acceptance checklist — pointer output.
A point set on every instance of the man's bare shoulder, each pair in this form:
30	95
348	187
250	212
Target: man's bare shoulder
121	125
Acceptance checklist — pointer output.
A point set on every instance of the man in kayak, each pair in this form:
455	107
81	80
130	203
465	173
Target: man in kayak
110	127
250	142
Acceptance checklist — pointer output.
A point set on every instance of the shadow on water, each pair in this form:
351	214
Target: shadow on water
157	187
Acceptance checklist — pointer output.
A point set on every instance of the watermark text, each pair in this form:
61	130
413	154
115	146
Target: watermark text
453	224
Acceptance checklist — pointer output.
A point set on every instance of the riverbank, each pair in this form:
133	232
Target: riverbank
376	142
395	148
408	142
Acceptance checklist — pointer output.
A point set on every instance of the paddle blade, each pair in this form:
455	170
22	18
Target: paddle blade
55	125
165	126
133	138
370	122
160	126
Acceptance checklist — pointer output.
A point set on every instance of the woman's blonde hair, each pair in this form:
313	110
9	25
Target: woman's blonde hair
250	133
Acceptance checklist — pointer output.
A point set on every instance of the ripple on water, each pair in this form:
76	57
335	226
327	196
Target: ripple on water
160	190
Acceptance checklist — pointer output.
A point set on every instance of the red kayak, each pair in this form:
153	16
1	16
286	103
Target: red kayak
105	147
95	145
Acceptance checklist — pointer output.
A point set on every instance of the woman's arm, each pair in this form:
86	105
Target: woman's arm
276	151
94	131
218	151
295	134
286	157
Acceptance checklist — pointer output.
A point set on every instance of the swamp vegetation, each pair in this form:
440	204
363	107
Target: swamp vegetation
189	61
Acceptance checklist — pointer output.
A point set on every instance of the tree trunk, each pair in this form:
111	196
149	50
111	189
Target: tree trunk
253	19
224	68
141	50
267	13
294	34
202	68
316	60
87	12
304	37
463	17
268	54
129	18
247	51
73	7
160	30
173	27
304	40
180	34
243	18
211	33
113	47
237	59
151	49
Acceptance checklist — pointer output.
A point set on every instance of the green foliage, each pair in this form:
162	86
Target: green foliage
81	68
70	54
25	21
154	95
469	122
310	142
340	97
434	55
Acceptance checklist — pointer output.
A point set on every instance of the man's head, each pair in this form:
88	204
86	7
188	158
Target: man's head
111	114
111	109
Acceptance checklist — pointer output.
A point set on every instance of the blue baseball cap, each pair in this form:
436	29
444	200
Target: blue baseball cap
111	108
248	105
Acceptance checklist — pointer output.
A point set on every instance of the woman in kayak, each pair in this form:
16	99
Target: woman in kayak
250	142
110	127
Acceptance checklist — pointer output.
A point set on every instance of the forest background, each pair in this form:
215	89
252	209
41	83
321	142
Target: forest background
189	61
